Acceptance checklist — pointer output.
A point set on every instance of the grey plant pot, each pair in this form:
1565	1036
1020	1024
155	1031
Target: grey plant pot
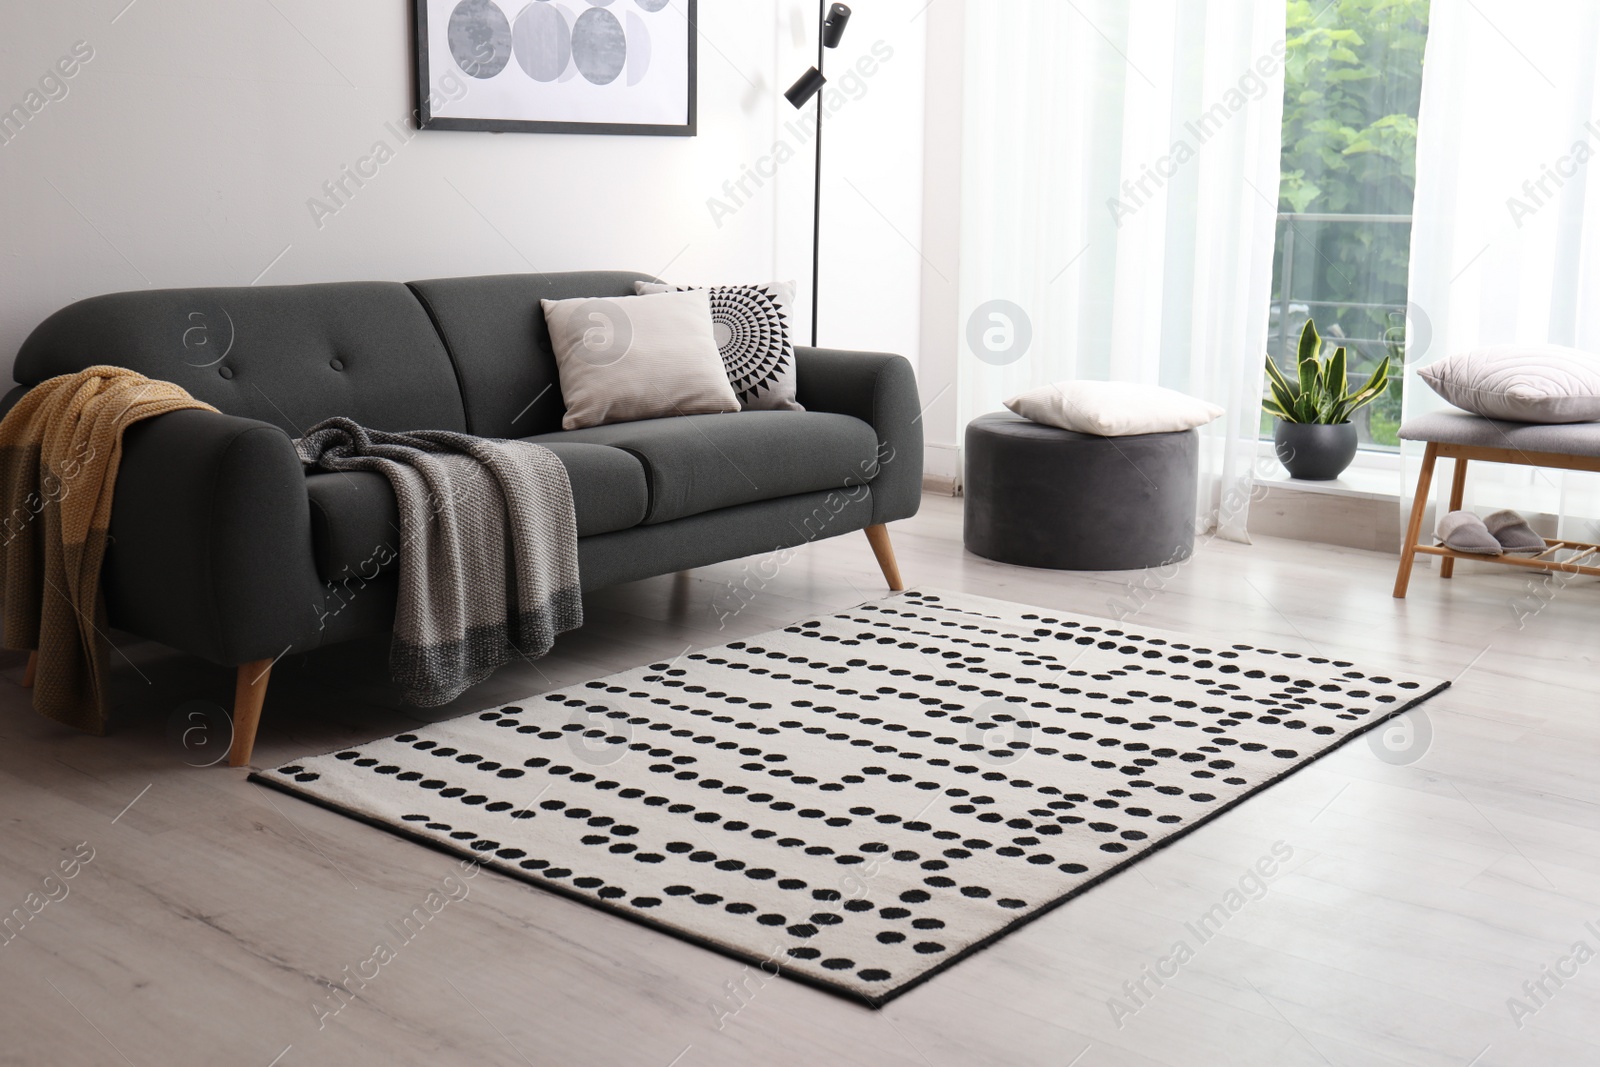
1315	452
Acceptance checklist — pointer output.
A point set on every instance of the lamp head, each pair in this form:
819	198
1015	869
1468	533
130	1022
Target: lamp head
810	84
833	26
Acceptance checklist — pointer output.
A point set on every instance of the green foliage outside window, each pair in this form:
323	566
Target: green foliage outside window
1352	82
1353	77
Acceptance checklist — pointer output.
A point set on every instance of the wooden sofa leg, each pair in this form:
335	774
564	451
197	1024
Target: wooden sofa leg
1458	492
1419	508
31	670
249	692
878	536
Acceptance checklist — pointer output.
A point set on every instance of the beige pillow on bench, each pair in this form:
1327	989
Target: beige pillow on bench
622	359
1521	383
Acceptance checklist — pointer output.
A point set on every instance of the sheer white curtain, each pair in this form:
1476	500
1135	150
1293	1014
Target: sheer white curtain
1505	244
1119	197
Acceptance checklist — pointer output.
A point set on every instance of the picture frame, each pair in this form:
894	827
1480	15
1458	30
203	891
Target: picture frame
628	68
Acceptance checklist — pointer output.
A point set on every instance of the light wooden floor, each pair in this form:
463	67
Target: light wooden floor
1418	900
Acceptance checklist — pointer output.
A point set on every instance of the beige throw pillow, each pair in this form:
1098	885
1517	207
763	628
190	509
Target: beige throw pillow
1113	409
627	358
752	328
1521	383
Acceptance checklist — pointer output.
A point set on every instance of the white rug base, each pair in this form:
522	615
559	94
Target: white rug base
862	799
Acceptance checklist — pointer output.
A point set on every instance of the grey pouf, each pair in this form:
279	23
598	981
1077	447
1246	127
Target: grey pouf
1038	496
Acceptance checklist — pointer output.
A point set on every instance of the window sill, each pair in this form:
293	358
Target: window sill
1372	475
1357	482
1375	480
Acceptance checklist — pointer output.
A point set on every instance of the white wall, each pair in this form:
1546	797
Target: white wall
186	150
872	176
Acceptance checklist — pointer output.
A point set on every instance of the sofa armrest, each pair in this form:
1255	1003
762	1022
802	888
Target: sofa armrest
210	549
880	390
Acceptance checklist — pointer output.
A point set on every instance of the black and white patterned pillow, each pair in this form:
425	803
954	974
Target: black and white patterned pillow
752	332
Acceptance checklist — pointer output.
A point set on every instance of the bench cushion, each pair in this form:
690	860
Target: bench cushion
1460	428
355	524
700	463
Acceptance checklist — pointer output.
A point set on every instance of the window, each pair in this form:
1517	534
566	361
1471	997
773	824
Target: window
1352	80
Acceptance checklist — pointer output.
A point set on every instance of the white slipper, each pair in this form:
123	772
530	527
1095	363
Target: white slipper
1463	531
1513	532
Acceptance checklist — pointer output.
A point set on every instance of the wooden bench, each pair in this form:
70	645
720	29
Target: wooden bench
1462	437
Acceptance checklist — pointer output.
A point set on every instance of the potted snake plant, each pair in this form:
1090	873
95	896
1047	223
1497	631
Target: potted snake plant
1314	437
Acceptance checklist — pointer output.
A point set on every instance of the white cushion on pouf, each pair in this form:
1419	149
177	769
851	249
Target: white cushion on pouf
1113	409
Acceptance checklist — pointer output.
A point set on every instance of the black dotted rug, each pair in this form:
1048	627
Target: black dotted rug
860	800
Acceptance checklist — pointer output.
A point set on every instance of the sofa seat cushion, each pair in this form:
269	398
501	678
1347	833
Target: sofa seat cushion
700	463
355	523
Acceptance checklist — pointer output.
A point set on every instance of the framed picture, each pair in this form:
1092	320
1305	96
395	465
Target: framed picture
557	66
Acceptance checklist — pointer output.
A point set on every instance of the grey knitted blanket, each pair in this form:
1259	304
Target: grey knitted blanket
488	549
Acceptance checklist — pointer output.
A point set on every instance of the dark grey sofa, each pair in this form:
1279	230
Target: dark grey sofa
223	548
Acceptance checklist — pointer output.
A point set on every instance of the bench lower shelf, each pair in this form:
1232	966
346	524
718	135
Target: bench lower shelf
1540	562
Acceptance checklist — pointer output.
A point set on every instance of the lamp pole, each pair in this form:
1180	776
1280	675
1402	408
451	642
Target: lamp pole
816	206
831	22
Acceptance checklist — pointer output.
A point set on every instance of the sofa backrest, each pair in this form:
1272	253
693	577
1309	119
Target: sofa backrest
290	355
494	329
467	354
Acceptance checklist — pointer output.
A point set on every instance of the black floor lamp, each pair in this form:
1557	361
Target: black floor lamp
831	22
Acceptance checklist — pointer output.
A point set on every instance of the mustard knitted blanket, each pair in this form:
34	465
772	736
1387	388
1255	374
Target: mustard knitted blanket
60	448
